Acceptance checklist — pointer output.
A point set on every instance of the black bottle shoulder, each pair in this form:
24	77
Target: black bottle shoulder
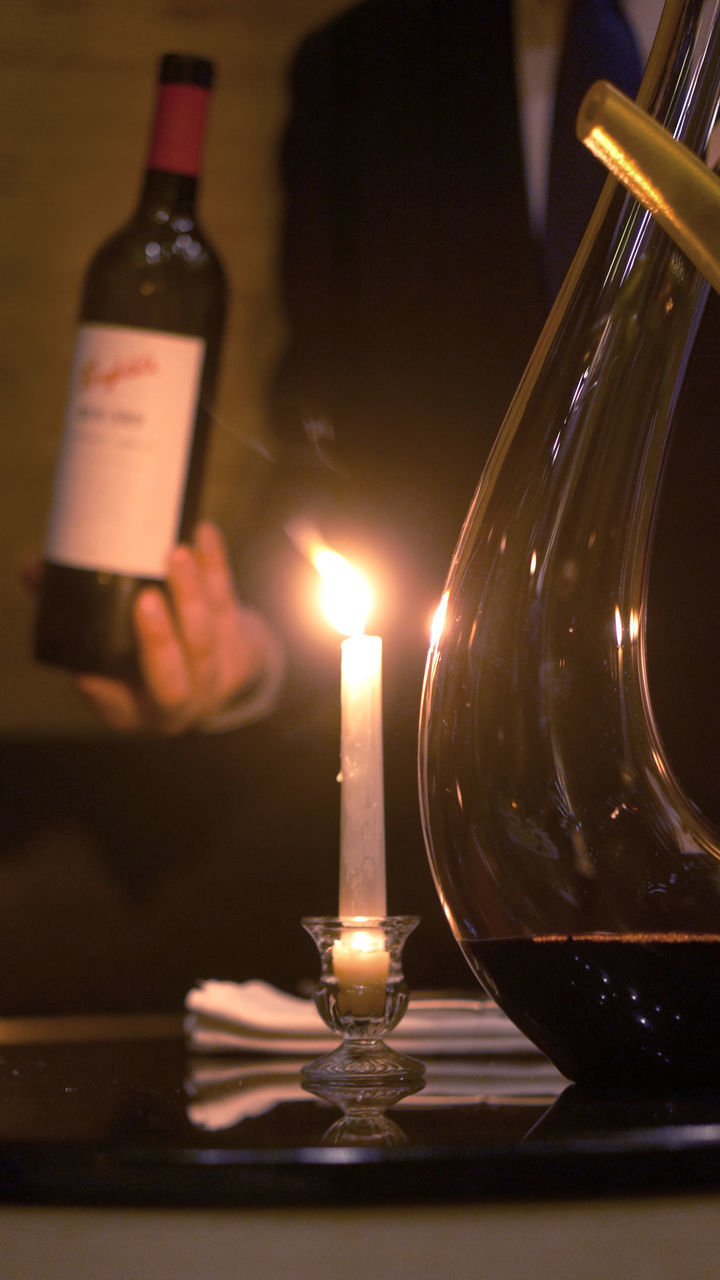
157	274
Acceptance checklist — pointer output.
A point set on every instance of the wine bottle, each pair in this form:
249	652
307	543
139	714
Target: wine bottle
143	373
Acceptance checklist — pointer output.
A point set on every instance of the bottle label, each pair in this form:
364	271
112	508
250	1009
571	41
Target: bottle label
121	474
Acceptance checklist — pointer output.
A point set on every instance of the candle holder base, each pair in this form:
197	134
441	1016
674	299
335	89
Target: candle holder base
362	995
364	1060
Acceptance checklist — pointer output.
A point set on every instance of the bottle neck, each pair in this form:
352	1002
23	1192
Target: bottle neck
176	149
178	134
172	193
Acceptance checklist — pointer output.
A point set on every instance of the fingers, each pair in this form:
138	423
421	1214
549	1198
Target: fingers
240	643
193	650
194	618
197	646
163	664
165	700
214	567
115	704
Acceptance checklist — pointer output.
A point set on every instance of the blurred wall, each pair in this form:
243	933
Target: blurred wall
78	90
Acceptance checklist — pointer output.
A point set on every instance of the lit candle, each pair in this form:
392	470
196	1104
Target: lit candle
362	810
361	963
346	600
362	816
359	957
361	966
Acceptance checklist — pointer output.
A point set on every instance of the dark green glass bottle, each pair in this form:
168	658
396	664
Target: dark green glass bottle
144	370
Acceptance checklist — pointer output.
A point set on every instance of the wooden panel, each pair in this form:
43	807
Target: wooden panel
78	86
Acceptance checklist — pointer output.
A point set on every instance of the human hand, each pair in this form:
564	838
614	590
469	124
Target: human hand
198	649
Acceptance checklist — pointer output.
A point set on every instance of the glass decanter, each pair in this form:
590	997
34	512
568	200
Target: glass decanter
581	882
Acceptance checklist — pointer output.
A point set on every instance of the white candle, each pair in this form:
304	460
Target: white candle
346	601
361	966
360	958
362	808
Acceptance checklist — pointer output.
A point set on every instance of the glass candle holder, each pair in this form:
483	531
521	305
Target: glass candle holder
362	996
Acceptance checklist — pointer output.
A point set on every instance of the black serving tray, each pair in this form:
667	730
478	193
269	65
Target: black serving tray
104	1112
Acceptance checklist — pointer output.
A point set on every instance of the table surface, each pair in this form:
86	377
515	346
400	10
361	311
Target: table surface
115	1111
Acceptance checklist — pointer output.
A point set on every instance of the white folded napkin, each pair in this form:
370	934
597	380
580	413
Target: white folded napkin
255	1017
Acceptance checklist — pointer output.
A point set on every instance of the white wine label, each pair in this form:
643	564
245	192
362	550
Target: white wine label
121	474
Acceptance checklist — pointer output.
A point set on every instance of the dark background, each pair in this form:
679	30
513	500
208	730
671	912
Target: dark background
131	868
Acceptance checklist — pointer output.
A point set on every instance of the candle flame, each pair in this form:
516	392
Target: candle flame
345	594
346	597
364	941
361	965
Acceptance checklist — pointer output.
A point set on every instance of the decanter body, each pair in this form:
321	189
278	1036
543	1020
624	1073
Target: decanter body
581	882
